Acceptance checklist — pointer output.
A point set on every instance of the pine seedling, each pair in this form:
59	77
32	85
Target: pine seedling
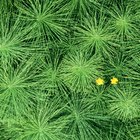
77	9
98	99
50	77
44	17
16	87
43	122
79	71
124	102
82	124
117	65
124	23
95	33
13	37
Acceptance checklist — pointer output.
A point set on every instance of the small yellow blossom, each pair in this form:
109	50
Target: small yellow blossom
99	81
114	81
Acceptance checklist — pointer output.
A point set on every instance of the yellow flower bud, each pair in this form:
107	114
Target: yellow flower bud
100	81
114	81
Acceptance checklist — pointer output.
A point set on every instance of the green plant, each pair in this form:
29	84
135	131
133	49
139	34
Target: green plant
16	93
94	32
124	22
117	65
135	71
124	102
50	76
133	130
43	122
45	18
80	70
79	9
84	119
98	98
13	37
69	69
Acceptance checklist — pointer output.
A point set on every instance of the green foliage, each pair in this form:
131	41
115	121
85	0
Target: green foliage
124	103
79	8
13	37
124	22
69	70
44	17
118	65
85	121
49	78
43	122
80	72
95	33
135	71
16	83
133	130
98	98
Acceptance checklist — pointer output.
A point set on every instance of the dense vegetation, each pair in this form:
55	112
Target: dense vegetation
69	69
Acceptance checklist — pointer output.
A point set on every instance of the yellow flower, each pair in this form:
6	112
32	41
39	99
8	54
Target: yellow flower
100	81
114	81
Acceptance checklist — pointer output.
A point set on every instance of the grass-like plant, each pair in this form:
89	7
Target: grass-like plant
16	83
117	65
135	71
80	71
13	37
134	49
43	122
79	8
69	69
133	130
116	131
124	103
50	77
124	22
82	124
98	98
94	33
44	17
